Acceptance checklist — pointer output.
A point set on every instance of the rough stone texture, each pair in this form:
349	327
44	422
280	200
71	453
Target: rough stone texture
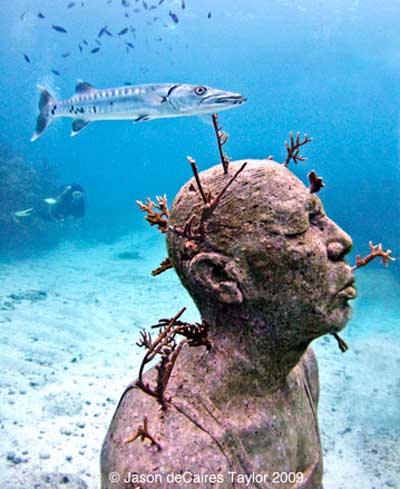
268	283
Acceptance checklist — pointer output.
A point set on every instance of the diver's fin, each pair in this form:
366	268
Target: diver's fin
78	125
143	117
83	87
24	213
44	118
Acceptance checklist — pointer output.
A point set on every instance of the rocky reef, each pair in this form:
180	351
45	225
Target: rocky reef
22	185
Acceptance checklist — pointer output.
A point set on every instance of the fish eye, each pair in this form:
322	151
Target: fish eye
200	90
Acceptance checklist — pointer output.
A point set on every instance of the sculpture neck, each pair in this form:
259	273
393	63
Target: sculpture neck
249	355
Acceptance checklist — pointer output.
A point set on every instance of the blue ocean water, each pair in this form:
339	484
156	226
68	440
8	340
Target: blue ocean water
326	68
329	69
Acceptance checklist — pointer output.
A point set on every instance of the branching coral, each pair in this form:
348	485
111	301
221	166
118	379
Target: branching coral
197	233
316	182
293	149
166	347
341	343
193	233
159	219
196	334
165	265
376	251
222	139
206	197
143	433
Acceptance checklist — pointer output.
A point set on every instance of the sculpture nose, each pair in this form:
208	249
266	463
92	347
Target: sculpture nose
339	242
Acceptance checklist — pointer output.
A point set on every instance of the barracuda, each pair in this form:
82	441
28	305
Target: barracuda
133	102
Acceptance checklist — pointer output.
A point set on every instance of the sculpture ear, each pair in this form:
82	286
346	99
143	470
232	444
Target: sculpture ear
216	274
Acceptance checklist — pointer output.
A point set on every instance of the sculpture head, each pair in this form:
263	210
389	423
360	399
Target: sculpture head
275	260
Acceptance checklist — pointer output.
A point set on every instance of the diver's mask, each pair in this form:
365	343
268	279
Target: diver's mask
77	195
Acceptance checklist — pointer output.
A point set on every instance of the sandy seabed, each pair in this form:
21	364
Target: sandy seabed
69	323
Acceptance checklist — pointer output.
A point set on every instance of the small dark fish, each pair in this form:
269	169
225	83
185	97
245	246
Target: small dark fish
27	59
94	50
85	42
209	15
127	15
128	83
41	16
102	31
56	72
59	28
129	44
65	55
123	32
160	2
80	48
70	5
125	3
97	42
183	5
146	7
174	17
152	7
21	17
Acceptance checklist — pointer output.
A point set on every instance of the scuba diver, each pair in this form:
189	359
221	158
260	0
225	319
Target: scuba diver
69	203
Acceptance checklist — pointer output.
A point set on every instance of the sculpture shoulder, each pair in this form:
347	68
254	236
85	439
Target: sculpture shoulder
182	440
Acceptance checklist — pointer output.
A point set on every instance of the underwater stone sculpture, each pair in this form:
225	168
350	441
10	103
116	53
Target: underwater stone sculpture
268	278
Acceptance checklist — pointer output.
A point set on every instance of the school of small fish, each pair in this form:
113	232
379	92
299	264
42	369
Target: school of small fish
168	16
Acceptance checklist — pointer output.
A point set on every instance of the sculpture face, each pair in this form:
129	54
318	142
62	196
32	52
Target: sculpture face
276	256
298	276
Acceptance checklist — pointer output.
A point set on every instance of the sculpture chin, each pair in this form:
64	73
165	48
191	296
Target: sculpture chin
341	317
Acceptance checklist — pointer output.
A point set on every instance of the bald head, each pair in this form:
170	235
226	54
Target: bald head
265	193
268	249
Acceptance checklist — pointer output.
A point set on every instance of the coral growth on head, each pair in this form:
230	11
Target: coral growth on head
254	229
250	238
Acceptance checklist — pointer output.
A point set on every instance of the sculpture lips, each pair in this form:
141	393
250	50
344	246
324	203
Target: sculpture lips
348	291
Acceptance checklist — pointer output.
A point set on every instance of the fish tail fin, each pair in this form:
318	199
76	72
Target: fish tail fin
46	101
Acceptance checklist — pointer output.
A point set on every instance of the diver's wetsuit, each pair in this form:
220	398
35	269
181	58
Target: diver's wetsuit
69	203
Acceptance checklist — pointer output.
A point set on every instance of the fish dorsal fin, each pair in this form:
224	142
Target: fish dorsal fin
83	87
